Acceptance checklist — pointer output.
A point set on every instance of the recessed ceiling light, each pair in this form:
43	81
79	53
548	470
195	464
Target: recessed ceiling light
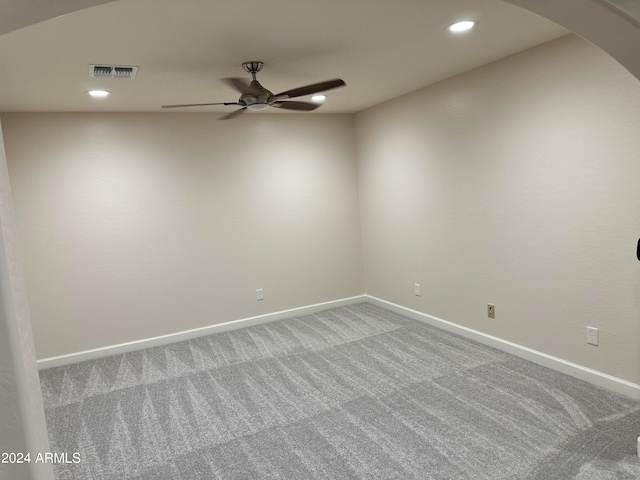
98	93
318	98
462	26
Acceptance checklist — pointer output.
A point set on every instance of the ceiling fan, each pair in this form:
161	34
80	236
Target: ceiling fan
255	97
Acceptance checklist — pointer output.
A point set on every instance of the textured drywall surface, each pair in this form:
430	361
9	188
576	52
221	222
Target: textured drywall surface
515	184
139	225
22	423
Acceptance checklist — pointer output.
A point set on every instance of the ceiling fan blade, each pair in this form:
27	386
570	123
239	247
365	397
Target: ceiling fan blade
198	104
311	89
302	106
233	114
242	85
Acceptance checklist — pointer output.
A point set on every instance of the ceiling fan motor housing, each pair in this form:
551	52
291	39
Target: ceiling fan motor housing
258	98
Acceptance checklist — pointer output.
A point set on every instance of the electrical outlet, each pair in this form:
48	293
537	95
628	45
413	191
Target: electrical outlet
491	310
592	336
416	289
259	294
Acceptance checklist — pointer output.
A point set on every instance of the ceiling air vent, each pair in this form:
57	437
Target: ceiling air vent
112	71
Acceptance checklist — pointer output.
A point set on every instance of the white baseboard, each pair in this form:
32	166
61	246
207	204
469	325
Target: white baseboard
594	377
188	334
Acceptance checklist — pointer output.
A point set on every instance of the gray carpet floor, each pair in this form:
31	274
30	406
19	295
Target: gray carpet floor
355	392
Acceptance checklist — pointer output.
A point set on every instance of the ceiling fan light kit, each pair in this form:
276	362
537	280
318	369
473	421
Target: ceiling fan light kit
253	96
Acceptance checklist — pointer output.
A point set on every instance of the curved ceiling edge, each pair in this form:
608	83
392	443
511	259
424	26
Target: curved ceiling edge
16	14
597	21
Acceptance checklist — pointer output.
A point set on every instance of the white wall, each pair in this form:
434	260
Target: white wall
22	422
139	225
514	184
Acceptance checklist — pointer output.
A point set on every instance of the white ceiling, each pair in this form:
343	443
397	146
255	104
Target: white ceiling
381	48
